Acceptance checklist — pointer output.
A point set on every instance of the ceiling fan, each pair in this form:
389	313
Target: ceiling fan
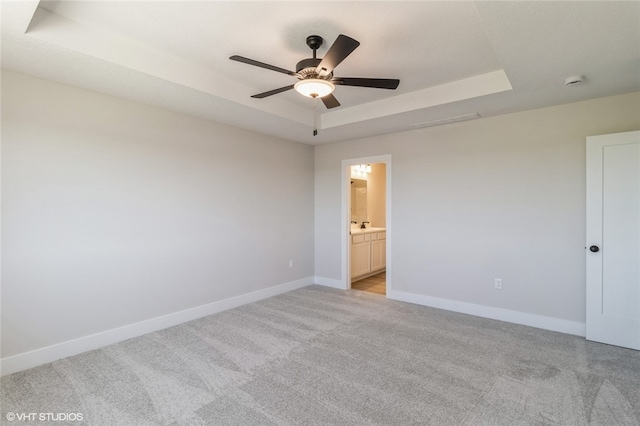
315	75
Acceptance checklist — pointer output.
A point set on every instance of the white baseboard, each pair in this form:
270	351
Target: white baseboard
51	353
515	317
329	282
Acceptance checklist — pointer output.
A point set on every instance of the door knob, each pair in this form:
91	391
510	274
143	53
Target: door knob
594	249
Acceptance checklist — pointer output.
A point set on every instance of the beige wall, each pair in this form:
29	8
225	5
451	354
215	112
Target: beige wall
114	213
499	197
376	207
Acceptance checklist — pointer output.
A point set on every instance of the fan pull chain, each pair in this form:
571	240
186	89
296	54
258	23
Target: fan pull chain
315	116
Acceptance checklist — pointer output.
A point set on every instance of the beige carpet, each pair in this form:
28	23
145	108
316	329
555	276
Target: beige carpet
320	356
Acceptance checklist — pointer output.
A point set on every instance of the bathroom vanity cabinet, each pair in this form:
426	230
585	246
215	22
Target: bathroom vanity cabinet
368	252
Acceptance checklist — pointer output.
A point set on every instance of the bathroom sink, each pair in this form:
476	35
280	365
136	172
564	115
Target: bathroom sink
360	230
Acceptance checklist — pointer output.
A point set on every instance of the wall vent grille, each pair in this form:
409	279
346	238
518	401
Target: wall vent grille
445	121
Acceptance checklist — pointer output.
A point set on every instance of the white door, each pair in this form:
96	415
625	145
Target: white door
613	239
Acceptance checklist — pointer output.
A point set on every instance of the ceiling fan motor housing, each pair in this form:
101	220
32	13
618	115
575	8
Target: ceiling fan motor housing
306	68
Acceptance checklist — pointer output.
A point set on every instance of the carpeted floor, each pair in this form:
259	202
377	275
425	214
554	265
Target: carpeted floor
320	356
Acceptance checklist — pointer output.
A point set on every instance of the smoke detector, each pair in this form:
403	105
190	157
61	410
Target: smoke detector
574	80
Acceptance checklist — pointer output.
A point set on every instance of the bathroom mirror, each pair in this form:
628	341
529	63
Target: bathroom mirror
358	200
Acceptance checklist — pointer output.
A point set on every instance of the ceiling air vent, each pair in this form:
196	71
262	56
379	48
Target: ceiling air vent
445	120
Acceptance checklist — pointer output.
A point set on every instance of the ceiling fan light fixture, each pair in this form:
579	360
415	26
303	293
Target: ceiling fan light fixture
314	87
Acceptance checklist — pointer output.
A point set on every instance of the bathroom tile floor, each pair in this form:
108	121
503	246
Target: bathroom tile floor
373	284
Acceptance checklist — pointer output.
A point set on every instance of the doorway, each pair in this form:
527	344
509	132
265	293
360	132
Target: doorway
366	208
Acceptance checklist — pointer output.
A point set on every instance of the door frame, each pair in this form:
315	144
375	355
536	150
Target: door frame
346	219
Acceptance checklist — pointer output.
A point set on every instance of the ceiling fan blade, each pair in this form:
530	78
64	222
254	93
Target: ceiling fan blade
272	92
340	49
376	83
330	101
260	64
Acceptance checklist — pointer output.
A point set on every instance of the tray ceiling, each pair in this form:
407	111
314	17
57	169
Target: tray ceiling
452	58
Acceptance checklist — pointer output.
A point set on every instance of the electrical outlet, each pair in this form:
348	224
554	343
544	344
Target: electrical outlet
498	283
290	263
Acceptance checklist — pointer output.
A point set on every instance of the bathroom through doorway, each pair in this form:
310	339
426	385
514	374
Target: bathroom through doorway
367	211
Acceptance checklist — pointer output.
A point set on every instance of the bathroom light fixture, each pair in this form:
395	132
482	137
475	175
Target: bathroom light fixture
314	87
361	168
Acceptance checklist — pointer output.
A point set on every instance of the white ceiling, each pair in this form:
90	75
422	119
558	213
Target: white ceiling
452	58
